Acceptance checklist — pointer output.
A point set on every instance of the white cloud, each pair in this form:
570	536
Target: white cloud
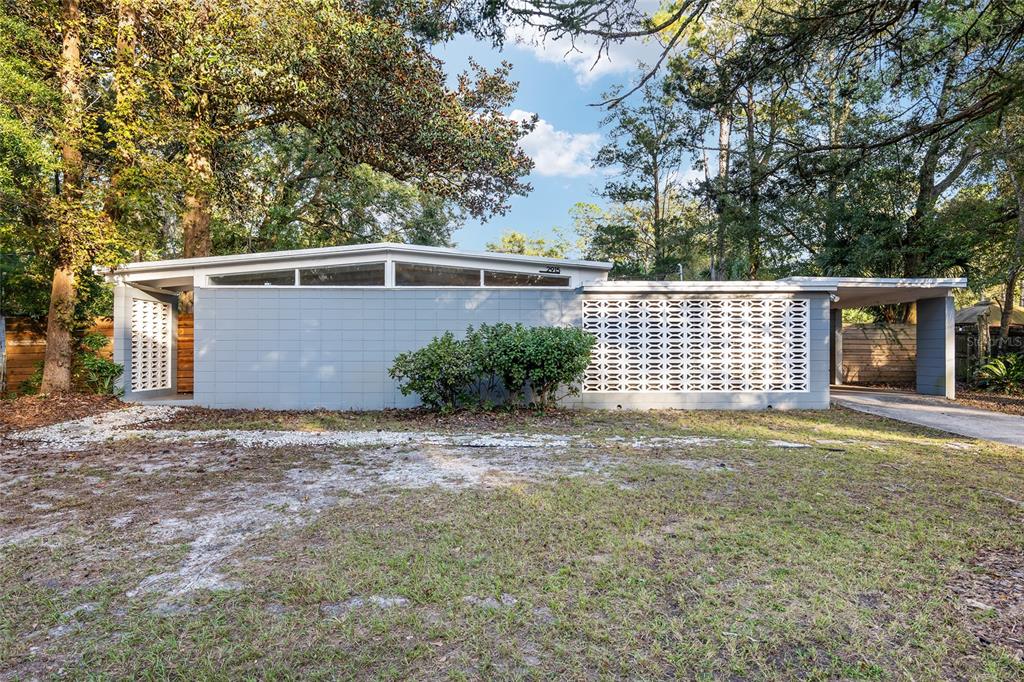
583	55
557	152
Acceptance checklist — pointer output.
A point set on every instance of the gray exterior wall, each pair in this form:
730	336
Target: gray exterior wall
306	348
936	364
122	340
331	347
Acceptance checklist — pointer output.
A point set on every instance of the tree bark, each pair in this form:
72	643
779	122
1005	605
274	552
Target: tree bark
123	114
754	208
60	318
196	220
724	136
1009	299
59	341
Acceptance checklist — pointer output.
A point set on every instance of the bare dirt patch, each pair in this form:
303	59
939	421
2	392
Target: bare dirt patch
1009	404
991	594
413	419
212	492
32	411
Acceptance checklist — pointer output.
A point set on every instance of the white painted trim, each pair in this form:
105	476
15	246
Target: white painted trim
888	282
781	286
356	250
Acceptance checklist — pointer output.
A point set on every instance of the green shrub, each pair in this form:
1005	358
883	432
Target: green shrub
442	372
498	350
521	360
1003	374
93	371
555	357
90	370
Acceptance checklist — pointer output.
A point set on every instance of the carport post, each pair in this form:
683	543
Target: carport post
835	347
935	349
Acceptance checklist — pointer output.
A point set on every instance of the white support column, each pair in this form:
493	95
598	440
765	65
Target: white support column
936	369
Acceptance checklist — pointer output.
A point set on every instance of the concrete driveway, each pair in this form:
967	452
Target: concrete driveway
934	412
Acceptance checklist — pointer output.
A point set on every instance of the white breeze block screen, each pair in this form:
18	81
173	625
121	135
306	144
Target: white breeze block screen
710	345
151	345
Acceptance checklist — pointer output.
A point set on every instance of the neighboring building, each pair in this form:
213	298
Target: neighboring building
320	327
978	336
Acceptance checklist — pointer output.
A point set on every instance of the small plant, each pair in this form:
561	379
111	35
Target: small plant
93	371
441	372
1003	374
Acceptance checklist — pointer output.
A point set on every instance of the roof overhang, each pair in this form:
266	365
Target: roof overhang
698	287
863	292
166	269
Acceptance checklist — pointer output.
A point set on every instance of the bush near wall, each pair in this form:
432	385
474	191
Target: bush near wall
506	363
26	346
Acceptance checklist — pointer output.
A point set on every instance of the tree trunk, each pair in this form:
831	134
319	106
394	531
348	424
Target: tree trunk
196	220
122	116
724	136
60	319
59	344
1009	297
1018	240
754	208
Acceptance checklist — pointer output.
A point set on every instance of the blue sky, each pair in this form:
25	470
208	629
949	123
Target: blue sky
559	89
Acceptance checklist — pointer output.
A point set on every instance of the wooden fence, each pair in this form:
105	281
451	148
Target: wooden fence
25	345
876	354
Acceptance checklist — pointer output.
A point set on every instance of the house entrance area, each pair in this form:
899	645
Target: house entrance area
153	339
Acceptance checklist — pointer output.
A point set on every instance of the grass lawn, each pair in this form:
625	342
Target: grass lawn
877	551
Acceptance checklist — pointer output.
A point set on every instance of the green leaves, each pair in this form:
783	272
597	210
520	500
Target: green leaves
523	361
1003	374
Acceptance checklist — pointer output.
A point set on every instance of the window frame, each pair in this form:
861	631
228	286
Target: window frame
300	285
390	277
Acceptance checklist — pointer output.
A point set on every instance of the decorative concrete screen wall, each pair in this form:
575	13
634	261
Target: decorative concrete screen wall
151	345
698	344
699	350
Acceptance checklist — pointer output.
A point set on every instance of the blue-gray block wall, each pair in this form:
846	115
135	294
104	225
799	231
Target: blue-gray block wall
305	348
331	347
936	362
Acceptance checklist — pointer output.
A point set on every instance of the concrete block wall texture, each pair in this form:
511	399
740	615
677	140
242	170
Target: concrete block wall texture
936	364
307	348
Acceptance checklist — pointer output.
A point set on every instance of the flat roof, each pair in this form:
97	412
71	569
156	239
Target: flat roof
179	264
702	287
847	292
862	292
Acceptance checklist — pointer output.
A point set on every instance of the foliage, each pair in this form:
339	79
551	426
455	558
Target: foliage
1003	374
442	372
558	246
536	361
92	370
651	228
552	357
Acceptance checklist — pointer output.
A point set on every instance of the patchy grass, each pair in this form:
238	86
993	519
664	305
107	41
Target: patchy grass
854	558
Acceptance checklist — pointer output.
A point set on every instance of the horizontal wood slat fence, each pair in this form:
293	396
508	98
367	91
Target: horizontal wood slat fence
876	354
26	348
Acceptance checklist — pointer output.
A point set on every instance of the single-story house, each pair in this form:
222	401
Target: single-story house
320	327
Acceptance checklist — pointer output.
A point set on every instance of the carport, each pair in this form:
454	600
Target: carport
935	360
